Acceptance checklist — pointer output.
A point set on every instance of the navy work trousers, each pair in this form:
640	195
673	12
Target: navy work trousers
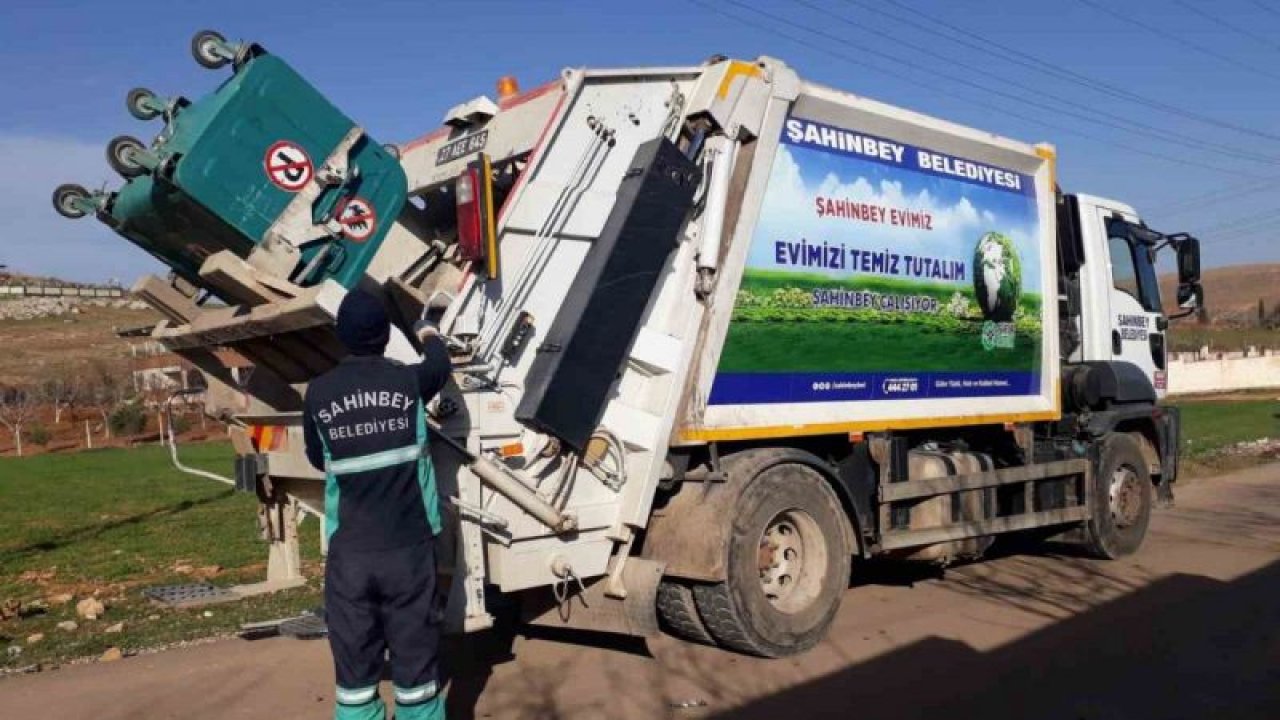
377	601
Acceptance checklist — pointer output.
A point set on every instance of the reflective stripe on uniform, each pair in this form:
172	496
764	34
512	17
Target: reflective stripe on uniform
376	461
417	694
427	477
332	493
358	696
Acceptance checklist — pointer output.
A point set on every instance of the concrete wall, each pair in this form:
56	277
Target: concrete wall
20	291
1192	373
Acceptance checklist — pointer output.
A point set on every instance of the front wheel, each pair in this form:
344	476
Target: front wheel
1122	498
788	566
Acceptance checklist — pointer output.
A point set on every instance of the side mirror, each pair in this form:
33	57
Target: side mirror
1190	298
1188	264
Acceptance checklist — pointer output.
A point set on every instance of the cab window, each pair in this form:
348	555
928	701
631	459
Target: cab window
1133	273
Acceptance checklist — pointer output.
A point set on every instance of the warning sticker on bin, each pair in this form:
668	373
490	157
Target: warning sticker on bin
358	219
288	166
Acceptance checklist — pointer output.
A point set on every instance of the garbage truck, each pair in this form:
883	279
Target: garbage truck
718	332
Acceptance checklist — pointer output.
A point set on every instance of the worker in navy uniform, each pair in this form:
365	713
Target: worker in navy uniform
364	426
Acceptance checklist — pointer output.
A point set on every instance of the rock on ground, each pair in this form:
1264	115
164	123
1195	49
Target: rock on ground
90	608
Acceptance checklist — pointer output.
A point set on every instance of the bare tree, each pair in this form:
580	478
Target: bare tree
106	385
17	405
62	391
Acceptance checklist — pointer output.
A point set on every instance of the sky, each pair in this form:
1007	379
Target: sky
1171	106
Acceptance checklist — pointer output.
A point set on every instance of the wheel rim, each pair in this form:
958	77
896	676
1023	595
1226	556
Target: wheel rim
140	108
1125	496
124	155
792	561
66	204
209	49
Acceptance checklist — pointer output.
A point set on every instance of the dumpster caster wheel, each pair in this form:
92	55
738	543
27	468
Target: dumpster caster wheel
66	201
122	156
205	48
143	104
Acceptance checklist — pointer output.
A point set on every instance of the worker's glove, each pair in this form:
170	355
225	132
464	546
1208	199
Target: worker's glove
424	329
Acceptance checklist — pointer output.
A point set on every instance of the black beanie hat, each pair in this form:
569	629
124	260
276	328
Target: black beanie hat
363	326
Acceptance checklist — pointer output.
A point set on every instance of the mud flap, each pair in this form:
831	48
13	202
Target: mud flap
589	608
1169	428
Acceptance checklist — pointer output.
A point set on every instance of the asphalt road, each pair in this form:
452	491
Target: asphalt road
1187	628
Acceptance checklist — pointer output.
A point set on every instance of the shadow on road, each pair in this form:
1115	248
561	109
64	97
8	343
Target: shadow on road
1182	647
530	694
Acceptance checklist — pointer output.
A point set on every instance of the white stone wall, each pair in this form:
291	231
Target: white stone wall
1205	372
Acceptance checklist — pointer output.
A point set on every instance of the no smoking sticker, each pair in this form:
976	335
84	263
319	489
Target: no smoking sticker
358	219
288	166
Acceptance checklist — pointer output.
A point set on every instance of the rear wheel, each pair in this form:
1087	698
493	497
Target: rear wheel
788	566
679	613
1122	497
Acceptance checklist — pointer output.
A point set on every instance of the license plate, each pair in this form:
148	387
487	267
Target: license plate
462	147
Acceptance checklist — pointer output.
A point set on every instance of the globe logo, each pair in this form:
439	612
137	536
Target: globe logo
997	277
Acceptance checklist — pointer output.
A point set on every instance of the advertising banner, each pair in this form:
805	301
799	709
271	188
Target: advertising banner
883	271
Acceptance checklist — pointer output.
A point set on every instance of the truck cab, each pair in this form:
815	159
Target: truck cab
1114	330
1110	286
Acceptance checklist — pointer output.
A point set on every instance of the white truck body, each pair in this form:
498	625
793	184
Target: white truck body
661	397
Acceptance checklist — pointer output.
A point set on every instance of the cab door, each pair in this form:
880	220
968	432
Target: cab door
1137	322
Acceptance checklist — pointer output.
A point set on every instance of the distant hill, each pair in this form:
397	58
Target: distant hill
1232	292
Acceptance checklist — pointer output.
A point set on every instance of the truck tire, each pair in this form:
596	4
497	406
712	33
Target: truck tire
787	566
679	614
1122	498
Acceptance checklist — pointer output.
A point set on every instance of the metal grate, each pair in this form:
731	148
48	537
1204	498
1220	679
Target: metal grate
304	627
189	595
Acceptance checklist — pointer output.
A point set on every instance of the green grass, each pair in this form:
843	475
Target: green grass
776	327
837	347
117	522
1208	426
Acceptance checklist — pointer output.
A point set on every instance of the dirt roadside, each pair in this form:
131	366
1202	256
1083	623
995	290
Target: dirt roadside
1189	627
